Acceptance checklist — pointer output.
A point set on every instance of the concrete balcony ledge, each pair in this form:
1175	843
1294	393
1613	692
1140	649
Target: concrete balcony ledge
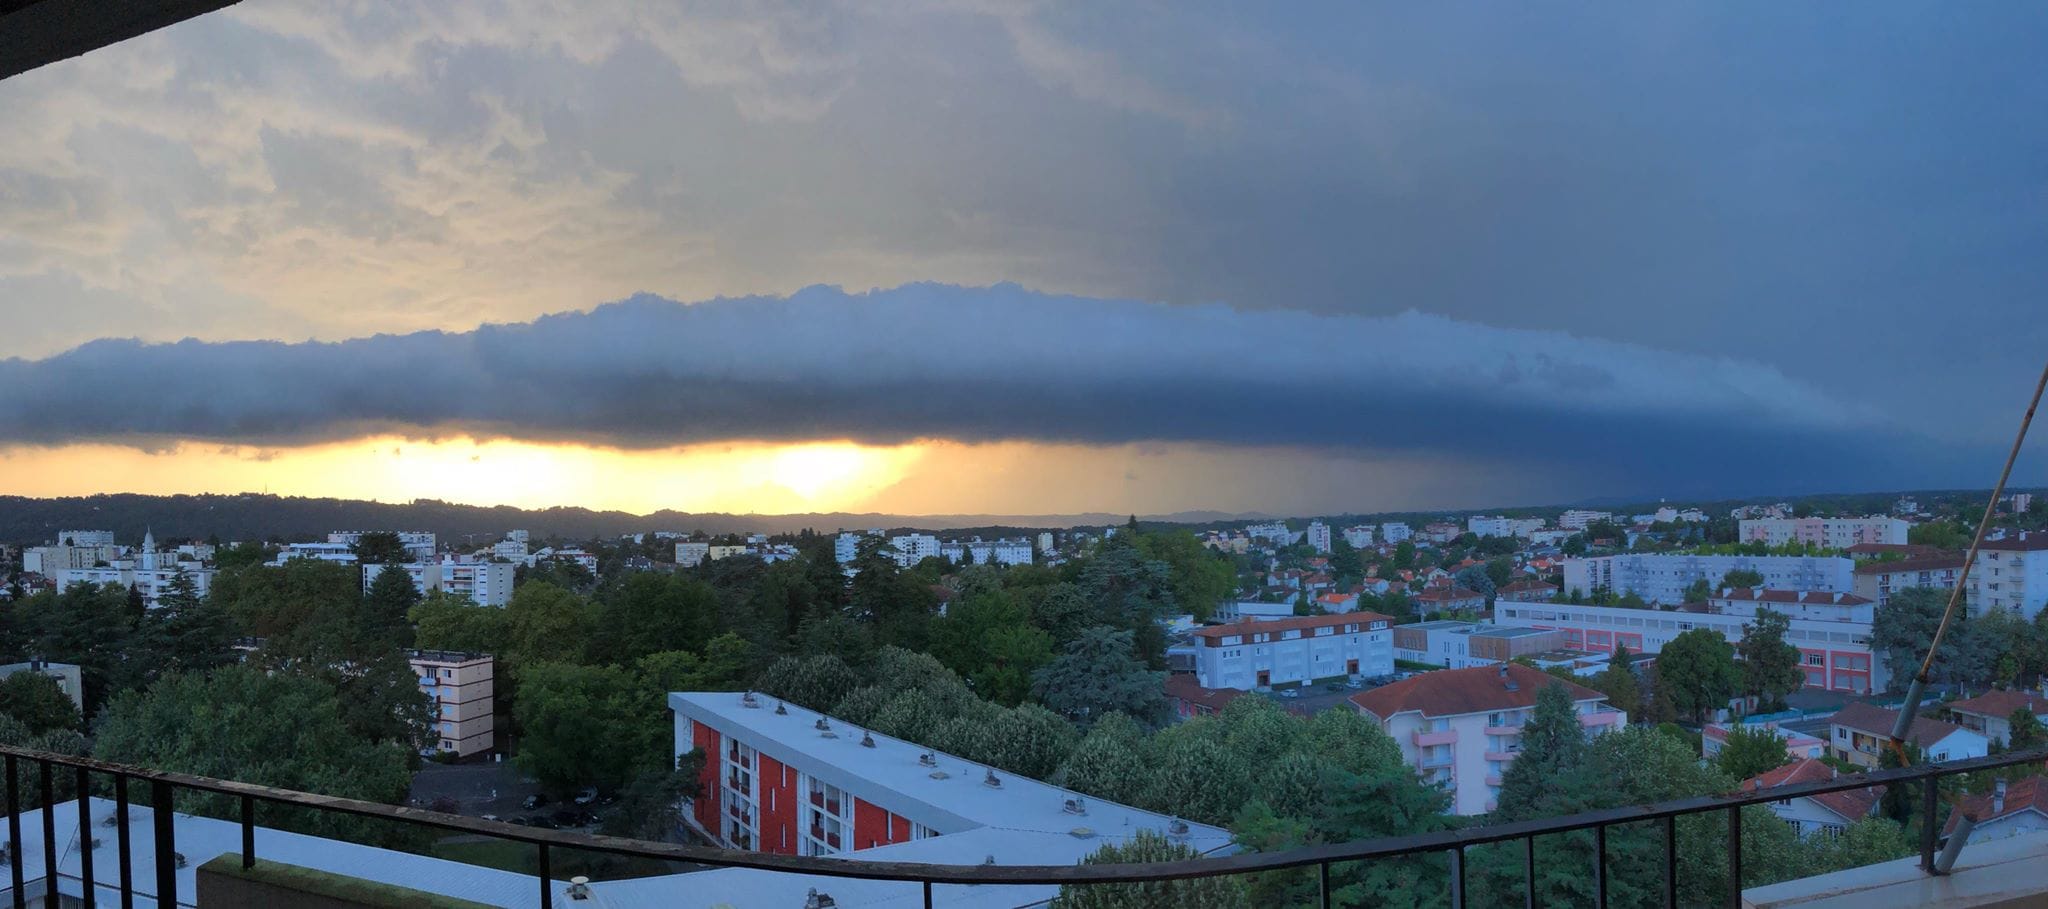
1426	739
1994	874
1502	756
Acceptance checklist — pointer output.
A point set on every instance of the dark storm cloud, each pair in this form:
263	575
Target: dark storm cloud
972	364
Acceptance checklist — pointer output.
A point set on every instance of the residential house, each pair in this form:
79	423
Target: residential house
1526	590
1294	651
2009	809
1826	814
1877	580
1859	732
1990	714
1449	598
1798	745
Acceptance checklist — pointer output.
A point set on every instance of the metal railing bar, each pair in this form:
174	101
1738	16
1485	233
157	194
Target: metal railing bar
163	818
14	849
1735	857
85	838
121	825
1242	863
49	795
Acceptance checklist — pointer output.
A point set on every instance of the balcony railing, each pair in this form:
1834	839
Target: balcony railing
162	787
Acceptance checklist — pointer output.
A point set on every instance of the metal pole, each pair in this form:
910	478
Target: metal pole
50	863
248	832
162	818
85	836
14	833
121	825
1734	857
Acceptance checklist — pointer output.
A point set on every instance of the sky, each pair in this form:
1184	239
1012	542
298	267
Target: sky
957	257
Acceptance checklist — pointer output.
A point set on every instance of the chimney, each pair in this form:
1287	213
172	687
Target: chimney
1998	797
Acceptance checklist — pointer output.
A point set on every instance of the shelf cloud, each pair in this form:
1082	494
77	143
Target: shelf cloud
921	361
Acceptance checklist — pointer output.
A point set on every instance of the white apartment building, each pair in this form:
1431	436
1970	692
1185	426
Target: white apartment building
1274	532
1359	536
1483	526
154	582
2011	574
1876	581
488	583
326	552
1319	536
2022	502
988	552
1461	728
1295	650
912	548
1045	541
1833	533
1663	578
1463	645
1395	532
1831	631
419	544
85	538
48	560
1578	518
510	550
691	555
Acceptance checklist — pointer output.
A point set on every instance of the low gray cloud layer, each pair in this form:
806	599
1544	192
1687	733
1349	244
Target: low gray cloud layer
976	364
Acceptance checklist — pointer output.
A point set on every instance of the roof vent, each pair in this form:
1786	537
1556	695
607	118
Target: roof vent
579	888
1177	827
821	725
867	740
1082	833
939	775
992	781
990	860
1075	806
781	709
749	700
816	900
926	759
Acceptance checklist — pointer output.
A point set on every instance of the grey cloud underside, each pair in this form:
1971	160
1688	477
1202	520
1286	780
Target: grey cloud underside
971	364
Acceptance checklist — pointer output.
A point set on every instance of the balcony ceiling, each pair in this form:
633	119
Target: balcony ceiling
38	32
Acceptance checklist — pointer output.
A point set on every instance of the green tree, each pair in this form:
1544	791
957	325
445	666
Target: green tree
1750	750
38	702
989	640
1904	628
1697	592
585	726
817	682
187	632
1096	675
1618	681
650	612
1109	762
387	606
380	547
443	622
1770	667
1742	577
2027	731
273	729
1697	671
1547	777
1222	892
1939	534
546	623
1201	578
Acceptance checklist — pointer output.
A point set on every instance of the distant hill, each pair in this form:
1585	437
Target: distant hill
254	516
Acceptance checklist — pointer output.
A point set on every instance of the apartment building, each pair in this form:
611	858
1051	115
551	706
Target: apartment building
1859	732
987	552
49	560
782	779
1273	532
152	582
419	544
1294	650
1876	580
1834	647
1319	536
1359	536
1833	533
1483	526
1463	645
912	548
1662	579
2011	574
487	583
1578	518
1395	532
1798	745
460	686
691	555
1461	728
1527	590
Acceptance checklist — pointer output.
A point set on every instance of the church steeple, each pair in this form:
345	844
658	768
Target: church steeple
148	549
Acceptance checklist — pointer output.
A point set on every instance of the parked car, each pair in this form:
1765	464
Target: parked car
1290	692
538	821
534	801
588	795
